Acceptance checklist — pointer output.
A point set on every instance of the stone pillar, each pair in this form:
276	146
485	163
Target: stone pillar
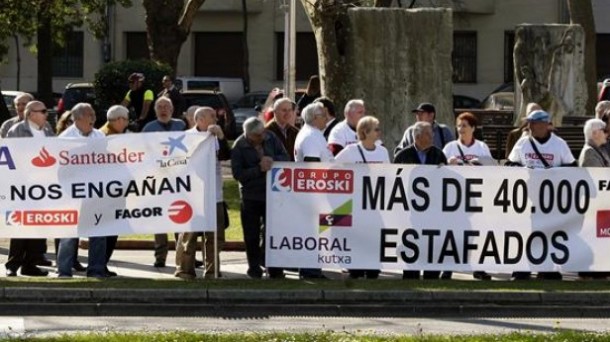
549	70
398	58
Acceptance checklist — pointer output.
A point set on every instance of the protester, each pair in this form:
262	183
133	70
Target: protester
365	151
19	102
541	149
422	151
522	130
253	155
164	123
189	116
206	123
84	119
283	112
331	115
344	133
426	112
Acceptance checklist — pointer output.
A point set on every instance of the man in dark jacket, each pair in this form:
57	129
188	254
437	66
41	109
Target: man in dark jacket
170	90
422	151
252	156
283	113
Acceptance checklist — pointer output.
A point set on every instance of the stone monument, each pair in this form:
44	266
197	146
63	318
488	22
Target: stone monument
549	70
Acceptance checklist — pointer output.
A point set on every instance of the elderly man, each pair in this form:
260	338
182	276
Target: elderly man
25	253
602	112
206	123
20	102
189	116
283	113
164	123
331	116
344	133
310	145
253	155
422	151
84	119
117	120
140	99
426	112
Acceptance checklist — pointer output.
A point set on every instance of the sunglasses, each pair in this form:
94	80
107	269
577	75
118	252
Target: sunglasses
43	111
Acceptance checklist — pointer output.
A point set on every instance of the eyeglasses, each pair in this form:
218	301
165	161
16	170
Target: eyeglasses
43	111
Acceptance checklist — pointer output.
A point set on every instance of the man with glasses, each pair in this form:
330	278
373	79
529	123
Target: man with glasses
140	99
25	253
170	90
20	102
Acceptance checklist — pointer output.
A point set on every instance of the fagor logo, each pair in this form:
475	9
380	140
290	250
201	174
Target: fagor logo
281	179
41	217
44	159
603	223
323	181
340	217
180	212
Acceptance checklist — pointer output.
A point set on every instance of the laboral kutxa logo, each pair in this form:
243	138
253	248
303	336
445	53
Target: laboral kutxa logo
339	217
170	146
312	180
41	217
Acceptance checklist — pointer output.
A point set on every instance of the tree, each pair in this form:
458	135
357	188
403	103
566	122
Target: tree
581	12
168	24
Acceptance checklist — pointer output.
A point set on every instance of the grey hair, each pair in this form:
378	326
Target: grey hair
352	104
419	127
200	112
117	111
601	108
28	107
19	97
163	99
253	125
591	126
281	101
190	112
312	110
80	110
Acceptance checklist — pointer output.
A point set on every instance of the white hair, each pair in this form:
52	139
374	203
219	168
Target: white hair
312	110
201	111
253	125
117	111
352	105
419	127
591	126
80	110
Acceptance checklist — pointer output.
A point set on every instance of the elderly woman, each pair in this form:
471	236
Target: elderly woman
594	154
466	150
365	151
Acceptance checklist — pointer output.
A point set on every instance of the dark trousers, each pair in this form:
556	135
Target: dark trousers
110	246
253	217
24	253
415	274
368	274
57	251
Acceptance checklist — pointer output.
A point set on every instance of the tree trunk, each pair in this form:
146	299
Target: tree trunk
244	41
168	24
18	58
45	57
581	12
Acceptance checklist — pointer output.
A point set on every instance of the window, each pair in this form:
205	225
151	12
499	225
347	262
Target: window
306	59
68	59
219	54
602	43
509	63
136	46
464	57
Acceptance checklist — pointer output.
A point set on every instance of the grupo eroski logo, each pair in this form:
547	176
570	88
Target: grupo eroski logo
44	159
339	217
173	144
603	223
41	217
281	179
180	212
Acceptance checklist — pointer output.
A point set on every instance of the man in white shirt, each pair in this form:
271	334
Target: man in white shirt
310	144
344	133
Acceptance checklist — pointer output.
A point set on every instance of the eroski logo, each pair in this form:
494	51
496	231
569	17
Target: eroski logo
281	179
44	159
41	217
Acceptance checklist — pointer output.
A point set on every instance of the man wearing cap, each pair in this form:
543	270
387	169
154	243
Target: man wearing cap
427	113
541	149
331	117
140	99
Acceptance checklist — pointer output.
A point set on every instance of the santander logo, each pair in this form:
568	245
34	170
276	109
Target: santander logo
180	212
44	159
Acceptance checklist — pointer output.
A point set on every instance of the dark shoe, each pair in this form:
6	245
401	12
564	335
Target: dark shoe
277	276
446	275
481	275
11	273
549	276
44	262
34	272
521	276
410	275
313	276
198	264
255	274
159	264
109	273
78	267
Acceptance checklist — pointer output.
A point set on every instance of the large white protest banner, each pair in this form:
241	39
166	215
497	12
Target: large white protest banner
461	218
122	184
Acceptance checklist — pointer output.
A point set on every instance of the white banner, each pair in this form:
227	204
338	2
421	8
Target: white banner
462	218
123	184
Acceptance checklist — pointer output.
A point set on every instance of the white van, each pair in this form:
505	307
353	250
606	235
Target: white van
232	88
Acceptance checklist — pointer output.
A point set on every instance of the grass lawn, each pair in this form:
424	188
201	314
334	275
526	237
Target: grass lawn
233	233
560	335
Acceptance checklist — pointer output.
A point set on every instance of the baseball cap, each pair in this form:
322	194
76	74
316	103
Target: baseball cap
538	116
424	107
136	76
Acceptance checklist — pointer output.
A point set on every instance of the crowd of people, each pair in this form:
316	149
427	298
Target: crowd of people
322	138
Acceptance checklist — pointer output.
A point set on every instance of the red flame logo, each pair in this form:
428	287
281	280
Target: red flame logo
44	159
180	212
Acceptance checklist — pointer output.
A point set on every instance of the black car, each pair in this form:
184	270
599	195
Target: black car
77	93
216	100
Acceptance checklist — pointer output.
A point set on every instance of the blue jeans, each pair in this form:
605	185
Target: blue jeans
96	266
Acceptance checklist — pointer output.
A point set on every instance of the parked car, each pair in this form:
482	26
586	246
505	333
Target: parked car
604	92
248	106
462	101
9	99
81	92
232	88
216	100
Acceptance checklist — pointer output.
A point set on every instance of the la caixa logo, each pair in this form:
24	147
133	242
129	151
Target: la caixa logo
312	180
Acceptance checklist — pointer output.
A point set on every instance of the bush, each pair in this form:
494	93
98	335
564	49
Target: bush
111	80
